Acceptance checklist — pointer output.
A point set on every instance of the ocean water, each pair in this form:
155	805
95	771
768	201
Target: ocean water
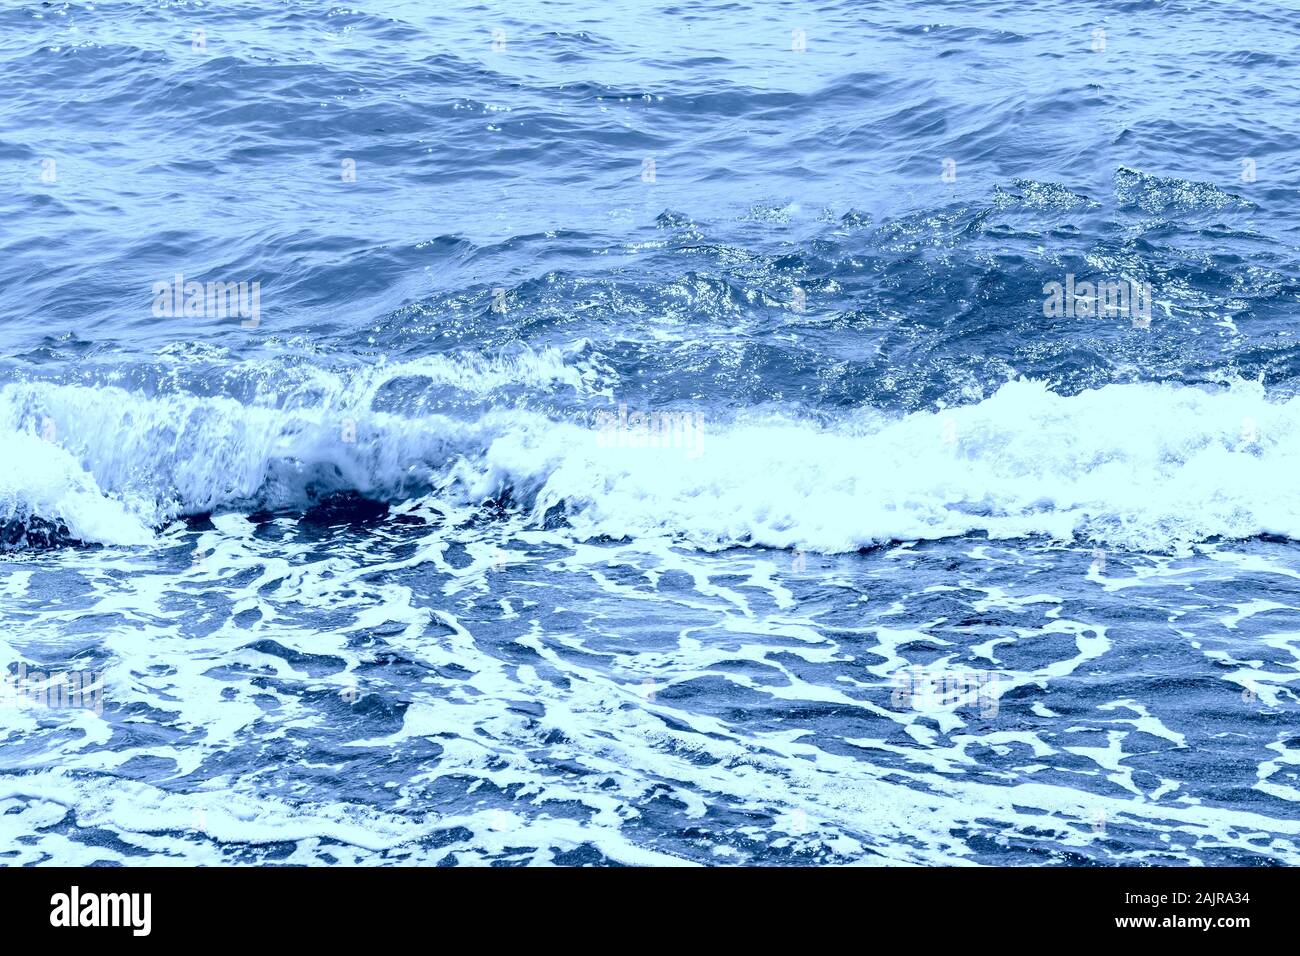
641	433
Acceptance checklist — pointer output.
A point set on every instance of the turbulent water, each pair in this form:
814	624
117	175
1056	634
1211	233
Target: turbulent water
642	436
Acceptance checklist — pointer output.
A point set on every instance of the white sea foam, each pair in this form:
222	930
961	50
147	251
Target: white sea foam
640	716
1133	466
43	480
1141	466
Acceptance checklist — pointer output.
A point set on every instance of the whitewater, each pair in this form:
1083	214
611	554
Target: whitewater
1152	467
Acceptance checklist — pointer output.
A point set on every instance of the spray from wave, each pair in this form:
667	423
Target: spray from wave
1138	466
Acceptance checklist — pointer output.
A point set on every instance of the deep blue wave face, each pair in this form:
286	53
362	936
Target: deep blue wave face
759	433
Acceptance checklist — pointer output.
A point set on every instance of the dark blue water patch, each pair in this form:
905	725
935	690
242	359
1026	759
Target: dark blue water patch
94	837
315	665
36	533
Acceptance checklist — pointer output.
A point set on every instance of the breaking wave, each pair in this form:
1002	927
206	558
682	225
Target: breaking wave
1140	466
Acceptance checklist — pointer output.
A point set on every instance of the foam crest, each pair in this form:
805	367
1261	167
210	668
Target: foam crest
120	456
1132	466
46	497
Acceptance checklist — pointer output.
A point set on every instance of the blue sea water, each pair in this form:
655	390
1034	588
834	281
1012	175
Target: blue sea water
644	438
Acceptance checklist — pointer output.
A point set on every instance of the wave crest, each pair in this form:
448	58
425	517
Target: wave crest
1135	466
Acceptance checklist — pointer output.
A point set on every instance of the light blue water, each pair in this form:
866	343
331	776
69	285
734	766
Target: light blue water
384	567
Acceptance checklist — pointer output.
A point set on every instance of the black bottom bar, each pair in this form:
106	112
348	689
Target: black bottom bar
351	906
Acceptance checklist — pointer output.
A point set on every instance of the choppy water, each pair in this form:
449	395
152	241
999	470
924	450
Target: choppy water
384	570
